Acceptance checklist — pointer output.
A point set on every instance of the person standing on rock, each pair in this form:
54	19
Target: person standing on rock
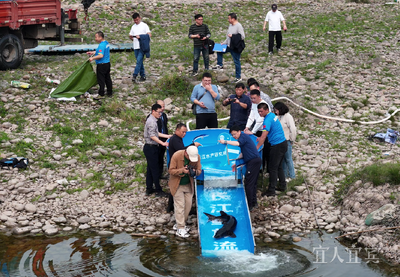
254	123
289	128
276	137
162	124
200	34
103	66
150	150
184	166
253	84
251	158
235	41
240	107
140	34
175	144
274	18
204	96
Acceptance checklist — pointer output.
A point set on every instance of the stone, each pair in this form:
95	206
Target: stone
67	229
58	144
104	224
83	195
77	141
60	219
30	208
23	230
222	78
296	239
103	123
274	235
377	216
84	226
83	219
286	208
57	157
51	231
71	162
105	233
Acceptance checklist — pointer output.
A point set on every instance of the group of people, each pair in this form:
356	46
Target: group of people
200	33
183	167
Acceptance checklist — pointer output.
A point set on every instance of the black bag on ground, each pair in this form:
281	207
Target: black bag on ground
210	44
18	162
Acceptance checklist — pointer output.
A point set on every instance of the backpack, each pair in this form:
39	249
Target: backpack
210	44
19	162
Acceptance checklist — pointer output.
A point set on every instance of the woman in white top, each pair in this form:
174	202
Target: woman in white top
287	122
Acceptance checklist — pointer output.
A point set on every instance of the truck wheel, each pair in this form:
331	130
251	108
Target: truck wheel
11	52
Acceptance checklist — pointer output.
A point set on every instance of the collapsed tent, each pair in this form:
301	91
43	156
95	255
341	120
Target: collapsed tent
77	83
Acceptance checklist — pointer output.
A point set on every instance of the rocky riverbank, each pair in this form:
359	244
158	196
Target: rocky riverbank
87	168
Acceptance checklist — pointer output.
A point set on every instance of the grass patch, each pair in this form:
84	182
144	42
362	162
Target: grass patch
378	174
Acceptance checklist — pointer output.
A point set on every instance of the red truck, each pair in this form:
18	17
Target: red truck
24	22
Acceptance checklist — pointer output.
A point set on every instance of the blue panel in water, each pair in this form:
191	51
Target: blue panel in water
231	200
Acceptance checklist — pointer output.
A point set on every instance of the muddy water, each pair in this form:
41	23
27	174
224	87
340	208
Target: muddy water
124	255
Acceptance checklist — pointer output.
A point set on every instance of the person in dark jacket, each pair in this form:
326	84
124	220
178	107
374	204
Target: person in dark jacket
162	124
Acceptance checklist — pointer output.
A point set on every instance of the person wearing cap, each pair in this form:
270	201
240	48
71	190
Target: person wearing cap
274	18
251	158
150	150
181	185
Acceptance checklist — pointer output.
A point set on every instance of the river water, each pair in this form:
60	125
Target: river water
124	255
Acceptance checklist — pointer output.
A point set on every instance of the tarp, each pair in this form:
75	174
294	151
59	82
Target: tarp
77	83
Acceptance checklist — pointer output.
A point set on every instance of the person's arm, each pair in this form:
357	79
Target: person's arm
265	22
99	55
198	166
284	25
234	143
241	104
164	135
292	128
173	170
259	123
262	139
241	31
156	139
214	94
208	33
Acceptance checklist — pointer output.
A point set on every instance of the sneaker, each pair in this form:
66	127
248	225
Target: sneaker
182	233
195	73
218	67
149	191
134	78
237	80
270	53
187	229
161	194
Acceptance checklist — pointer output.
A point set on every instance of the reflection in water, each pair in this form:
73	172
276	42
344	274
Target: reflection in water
122	255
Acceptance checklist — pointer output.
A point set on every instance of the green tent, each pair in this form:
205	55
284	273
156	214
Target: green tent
77	83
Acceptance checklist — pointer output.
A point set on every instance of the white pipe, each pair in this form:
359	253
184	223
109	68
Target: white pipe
319	115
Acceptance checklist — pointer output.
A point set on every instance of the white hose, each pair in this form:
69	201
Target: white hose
318	115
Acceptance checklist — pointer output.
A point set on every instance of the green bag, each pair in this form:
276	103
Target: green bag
77	83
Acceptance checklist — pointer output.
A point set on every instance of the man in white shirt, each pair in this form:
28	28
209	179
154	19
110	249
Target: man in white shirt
274	18
254	119
138	29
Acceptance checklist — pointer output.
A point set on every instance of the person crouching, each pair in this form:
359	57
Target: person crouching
184	166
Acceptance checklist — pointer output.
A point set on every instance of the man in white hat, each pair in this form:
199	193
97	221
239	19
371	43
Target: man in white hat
184	166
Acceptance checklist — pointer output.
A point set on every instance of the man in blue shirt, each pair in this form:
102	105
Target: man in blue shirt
102	58
240	107
276	137
204	95
252	160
